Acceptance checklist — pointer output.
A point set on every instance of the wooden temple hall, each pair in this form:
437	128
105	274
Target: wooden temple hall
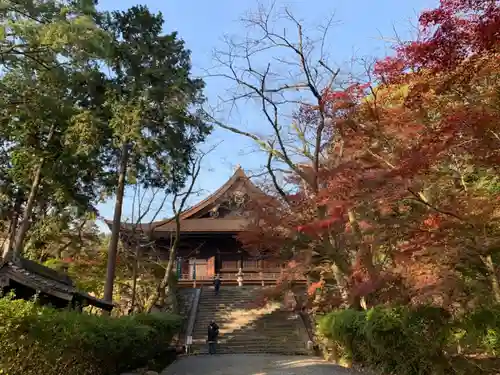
208	240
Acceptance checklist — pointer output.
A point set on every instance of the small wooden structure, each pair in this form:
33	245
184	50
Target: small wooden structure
208	238
29	279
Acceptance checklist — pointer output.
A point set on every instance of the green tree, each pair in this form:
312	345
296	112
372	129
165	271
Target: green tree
155	121
50	132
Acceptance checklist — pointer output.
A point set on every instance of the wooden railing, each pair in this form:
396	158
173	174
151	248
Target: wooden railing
234	276
249	265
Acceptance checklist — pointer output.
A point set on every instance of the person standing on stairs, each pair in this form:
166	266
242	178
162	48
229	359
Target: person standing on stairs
217	283
213	333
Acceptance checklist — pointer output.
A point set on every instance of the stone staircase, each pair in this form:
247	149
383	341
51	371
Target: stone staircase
245	328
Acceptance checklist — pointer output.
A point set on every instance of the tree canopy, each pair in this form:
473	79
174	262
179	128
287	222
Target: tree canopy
406	208
91	101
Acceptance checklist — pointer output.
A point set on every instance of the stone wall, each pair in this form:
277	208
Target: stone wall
185	298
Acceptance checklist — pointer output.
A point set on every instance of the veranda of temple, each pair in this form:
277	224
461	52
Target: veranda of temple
208	243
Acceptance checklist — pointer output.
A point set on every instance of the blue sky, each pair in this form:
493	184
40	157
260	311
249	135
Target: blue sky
359	30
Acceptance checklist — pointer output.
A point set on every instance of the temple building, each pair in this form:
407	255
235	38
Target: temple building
208	239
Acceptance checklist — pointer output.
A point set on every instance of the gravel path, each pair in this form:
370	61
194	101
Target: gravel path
254	364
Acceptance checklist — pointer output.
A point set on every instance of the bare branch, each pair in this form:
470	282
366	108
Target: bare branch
279	94
273	178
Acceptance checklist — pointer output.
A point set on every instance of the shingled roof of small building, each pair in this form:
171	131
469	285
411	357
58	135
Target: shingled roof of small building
49	281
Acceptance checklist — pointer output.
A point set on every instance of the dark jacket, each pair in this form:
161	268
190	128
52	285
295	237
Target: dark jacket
213	331
217	283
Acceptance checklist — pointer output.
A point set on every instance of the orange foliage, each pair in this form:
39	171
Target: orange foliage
387	155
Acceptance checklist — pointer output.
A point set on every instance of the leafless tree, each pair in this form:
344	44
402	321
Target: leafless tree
139	237
285	71
283	65
280	70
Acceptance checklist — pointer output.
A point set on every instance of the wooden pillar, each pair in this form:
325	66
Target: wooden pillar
239	277
261	271
194	272
240	265
217	262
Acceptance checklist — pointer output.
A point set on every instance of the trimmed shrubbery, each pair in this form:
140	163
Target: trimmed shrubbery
37	340
404	340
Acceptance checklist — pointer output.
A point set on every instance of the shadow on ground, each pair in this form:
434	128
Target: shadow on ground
254	364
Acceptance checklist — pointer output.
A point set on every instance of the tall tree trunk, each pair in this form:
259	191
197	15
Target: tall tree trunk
28	210
134	277
492	274
167	280
340	267
30	203
14	219
363	250
115	231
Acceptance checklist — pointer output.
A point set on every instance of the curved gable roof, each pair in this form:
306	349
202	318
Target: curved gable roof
191	213
238	175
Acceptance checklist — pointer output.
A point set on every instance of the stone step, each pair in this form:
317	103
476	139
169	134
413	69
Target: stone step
229	301
207	310
242	329
257	339
252	335
245	349
278	316
241	321
224	307
245	327
249	331
262	342
246	324
228	297
254	344
257	319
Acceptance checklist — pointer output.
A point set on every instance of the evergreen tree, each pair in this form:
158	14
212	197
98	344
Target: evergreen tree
155	121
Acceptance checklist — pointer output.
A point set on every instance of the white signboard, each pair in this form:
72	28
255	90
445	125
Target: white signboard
189	340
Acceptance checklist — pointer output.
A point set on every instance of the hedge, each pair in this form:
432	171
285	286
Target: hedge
37	340
392	340
410	341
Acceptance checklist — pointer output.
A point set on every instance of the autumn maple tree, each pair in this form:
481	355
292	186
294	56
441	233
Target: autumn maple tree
409	187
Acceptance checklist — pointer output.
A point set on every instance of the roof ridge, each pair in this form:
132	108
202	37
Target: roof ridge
217	193
239	173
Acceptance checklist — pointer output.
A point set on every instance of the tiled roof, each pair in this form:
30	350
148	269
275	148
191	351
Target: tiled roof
45	272
39	277
38	282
